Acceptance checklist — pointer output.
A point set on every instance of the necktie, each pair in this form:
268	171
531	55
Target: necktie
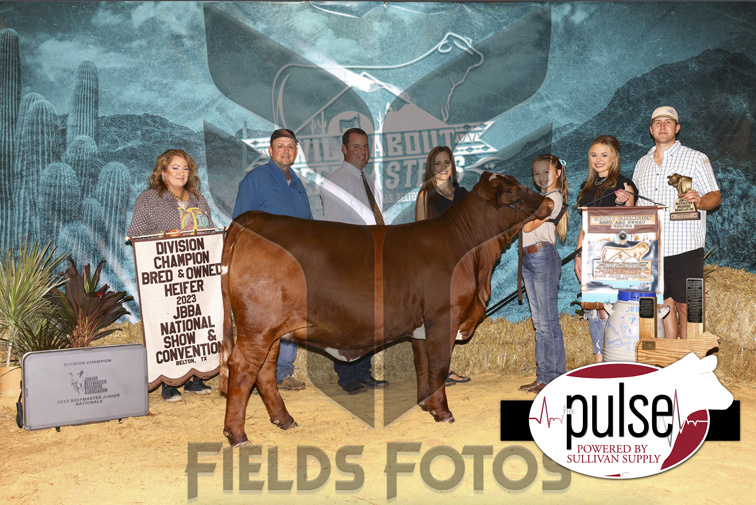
371	198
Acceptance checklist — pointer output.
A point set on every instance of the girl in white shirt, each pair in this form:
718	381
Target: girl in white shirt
541	269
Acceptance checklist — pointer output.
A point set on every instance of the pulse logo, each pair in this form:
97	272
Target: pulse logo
627	420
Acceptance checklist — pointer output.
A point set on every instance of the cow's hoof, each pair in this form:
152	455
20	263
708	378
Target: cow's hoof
423	406
291	423
236	442
442	417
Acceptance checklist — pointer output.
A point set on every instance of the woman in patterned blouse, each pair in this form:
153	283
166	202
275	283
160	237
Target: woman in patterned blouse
172	205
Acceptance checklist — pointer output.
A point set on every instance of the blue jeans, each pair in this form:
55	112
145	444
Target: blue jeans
540	273
287	353
596	325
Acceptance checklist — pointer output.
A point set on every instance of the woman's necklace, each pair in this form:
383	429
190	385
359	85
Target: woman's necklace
178	198
445	189
600	181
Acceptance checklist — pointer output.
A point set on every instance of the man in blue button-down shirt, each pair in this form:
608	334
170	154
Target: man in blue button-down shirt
275	188
682	241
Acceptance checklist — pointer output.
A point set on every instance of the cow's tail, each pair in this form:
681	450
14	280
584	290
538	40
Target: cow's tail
228	330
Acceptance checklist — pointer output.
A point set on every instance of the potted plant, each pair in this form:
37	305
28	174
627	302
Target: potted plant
84	311
27	276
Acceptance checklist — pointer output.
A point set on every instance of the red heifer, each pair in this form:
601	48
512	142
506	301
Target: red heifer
349	289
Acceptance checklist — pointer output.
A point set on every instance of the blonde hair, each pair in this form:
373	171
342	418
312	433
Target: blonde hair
613	144
563	187
156	178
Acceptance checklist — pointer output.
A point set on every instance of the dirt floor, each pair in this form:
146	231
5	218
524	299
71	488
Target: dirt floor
143	460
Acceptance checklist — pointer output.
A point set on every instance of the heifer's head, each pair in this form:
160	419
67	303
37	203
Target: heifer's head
503	191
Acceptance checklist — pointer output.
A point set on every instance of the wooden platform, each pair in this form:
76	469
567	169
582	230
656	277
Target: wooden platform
665	351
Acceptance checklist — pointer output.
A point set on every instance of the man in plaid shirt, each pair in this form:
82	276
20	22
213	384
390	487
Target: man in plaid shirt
682	241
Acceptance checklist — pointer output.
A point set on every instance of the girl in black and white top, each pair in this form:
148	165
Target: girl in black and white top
605	187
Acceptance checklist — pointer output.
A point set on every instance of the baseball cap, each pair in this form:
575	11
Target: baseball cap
283	132
665	111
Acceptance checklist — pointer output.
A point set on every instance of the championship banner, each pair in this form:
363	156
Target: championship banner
181	304
621	250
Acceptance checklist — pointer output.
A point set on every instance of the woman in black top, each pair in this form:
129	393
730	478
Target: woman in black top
440	190
440	187
605	187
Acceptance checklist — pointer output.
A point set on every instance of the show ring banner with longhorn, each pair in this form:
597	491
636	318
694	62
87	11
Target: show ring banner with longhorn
181	304
621	250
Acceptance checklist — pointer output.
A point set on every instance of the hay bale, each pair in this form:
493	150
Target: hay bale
127	334
731	315
500	346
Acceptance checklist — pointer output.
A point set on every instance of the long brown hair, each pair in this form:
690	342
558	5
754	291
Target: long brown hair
613	144
563	187
430	174
156	178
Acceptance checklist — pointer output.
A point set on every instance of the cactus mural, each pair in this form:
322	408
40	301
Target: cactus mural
82	156
77	240
38	147
27	101
82	115
10	96
60	198
39	143
93	216
113	190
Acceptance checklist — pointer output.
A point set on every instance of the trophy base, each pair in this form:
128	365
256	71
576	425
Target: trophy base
685	216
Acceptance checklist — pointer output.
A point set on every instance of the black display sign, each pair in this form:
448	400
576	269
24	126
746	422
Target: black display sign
694	297
647	307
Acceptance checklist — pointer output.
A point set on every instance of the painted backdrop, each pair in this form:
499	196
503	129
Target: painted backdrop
91	93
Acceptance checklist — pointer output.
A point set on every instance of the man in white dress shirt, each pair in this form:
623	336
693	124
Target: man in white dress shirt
349	196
